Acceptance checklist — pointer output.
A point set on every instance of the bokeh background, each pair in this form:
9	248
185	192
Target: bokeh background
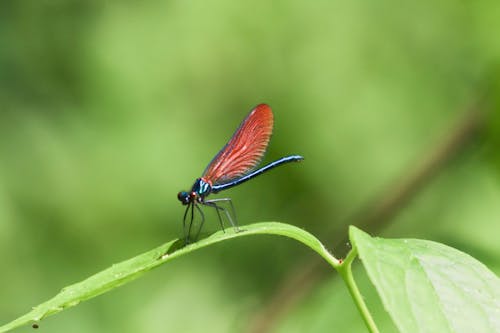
108	109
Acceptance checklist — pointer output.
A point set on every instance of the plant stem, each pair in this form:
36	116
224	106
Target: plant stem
346	272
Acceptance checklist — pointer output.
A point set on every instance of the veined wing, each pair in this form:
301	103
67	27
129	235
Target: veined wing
245	149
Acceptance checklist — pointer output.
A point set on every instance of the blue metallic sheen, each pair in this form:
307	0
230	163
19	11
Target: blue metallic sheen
201	187
221	187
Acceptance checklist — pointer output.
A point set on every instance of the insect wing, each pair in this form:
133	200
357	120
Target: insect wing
245	149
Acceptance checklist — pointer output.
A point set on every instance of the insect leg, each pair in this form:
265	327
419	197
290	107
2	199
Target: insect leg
213	203
234	222
184	224
190	222
202	220
217	208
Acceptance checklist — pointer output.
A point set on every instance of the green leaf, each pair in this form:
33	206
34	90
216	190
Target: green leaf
430	287
129	270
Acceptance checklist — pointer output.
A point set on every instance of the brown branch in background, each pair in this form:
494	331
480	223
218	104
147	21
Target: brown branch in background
373	217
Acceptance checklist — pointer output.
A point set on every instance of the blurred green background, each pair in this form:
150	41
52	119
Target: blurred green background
108	109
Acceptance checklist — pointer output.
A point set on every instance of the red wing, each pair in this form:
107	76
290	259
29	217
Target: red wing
245	149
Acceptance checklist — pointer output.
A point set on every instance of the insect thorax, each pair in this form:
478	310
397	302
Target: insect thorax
201	187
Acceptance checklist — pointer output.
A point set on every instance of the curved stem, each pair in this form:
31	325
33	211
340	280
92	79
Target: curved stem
345	272
129	270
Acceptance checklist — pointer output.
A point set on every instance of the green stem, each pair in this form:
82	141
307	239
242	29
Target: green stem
129	270
346	272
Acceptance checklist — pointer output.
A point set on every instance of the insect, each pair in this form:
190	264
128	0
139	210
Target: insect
235	163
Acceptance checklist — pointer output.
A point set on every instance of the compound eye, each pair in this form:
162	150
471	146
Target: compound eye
183	197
